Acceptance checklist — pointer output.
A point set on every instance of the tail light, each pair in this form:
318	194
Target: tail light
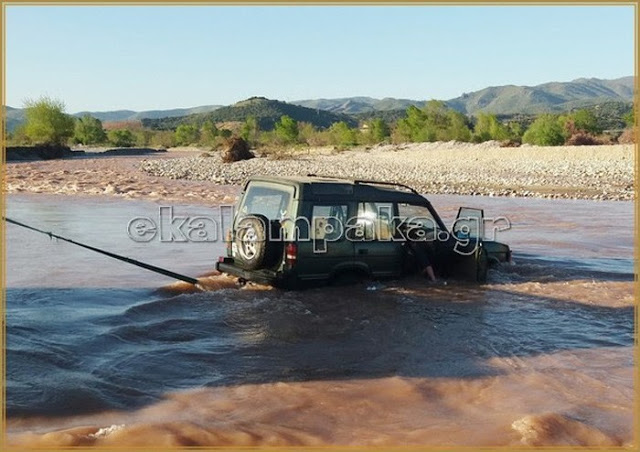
290	254
229	240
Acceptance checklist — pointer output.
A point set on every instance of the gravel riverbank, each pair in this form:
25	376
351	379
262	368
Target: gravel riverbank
570	172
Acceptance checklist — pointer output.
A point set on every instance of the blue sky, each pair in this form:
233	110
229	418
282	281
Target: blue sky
157	57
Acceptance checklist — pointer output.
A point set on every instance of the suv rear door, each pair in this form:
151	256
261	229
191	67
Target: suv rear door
273	201
327	249
374	243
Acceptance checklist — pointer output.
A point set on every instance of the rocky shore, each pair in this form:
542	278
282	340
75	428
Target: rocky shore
570	172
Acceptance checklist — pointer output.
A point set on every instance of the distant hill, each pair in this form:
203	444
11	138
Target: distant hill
359	105
128	115
505	101
15	116
548	97
266	111
501	100
389	116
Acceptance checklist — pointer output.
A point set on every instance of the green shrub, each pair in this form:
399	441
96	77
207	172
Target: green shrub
250	131
209	133
457	128
88	130
582	121
379	130
415	126
18	137
630	118
489	128
46	122
143	137
546	130
286	130
515	131
187	134
121	138
163	139
434	122
342	135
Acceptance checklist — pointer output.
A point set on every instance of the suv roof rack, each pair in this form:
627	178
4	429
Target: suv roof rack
365	181
391	184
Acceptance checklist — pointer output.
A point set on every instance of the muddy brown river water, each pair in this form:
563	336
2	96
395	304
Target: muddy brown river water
103	353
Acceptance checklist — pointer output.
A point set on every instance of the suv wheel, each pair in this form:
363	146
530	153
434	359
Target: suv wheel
255	250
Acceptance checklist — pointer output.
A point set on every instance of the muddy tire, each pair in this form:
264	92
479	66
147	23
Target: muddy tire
255	248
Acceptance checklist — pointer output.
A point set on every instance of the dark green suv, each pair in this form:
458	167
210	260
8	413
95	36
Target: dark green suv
296	230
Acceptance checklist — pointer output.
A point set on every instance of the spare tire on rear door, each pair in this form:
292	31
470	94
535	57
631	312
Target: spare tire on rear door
252	237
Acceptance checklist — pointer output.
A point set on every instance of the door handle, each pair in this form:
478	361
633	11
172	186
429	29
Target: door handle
363	251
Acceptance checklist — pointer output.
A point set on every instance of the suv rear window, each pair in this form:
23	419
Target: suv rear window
271	201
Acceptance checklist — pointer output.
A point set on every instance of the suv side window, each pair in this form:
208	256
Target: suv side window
418	222
375	220
328	221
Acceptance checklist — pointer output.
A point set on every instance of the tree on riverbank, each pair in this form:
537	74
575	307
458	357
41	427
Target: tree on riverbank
434	122
88	130
582	121
547	130
46	122
250	131
121	138
379	130
286	130
187	134
489	128
342	135
603	123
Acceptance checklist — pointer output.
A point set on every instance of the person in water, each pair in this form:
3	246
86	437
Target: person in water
422	258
